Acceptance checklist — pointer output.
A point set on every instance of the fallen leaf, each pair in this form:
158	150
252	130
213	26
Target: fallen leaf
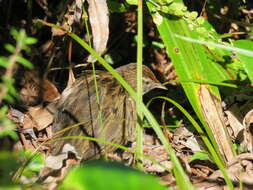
99	21
212	111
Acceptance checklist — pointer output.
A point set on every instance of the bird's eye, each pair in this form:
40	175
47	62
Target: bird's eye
146	82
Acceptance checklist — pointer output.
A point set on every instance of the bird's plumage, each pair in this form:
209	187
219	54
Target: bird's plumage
112	118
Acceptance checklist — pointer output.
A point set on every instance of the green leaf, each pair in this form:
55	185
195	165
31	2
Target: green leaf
9	48
199	156
193	15
99	175
3	61
116	7
14	33
247	60
35	165
132	2
9	82
9	98
24	62
192	62
30	40
6	125
158	44
8	164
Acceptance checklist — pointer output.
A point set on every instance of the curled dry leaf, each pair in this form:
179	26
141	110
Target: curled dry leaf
99	21
239	119
240	169
36	119
234	120
158	153
57	162
60	165
184	138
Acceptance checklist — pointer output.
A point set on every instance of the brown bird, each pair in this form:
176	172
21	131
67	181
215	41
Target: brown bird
112	117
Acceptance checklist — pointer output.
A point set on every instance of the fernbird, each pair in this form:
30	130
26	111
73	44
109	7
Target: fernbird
108	113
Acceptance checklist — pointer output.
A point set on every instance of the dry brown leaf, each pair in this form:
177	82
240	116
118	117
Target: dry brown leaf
99	21
182	136
212	111
158	153
60	31
71	79
234	119
56	167
240	170
247	122
41	116
240	126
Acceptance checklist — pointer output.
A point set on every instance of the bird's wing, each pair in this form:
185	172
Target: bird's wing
105	118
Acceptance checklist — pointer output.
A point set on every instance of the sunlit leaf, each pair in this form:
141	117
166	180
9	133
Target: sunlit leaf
247	60
99	175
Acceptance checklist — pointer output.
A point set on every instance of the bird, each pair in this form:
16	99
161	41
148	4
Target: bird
107	112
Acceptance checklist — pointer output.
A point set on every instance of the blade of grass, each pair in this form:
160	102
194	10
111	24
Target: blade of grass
202	133
139	130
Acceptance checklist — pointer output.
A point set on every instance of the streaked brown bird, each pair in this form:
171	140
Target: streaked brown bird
111	117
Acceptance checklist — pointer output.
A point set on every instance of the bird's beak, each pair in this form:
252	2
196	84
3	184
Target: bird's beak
160	86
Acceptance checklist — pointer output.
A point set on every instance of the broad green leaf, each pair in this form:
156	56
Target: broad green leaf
99	175
193	61
246	60
8	164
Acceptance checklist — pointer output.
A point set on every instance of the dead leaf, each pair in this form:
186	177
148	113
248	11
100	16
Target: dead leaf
56	167
247	122
182	136
71	79
234	120
41	117
60	31
240	169
99	21
212	111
